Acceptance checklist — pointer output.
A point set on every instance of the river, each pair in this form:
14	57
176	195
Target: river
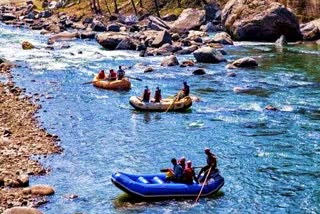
270	159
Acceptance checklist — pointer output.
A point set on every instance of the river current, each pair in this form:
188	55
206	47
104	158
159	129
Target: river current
270	159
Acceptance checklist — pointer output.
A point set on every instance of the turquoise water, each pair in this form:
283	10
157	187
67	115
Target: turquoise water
269	159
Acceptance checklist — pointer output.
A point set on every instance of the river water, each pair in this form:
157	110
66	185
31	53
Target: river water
270	159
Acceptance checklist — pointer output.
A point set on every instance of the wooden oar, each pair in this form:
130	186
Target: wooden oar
205	181
135	78
174	100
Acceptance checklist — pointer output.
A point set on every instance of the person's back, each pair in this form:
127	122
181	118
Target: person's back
146	95
178	173
101	74
186	89
157	95
120	73
112	75
189	174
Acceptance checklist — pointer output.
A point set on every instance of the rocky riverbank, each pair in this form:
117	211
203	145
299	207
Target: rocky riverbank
21	139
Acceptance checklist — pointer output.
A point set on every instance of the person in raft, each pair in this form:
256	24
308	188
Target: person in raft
120	73
112	75
176	173
211	163
146	95
182	162
101	74
185	91
189	174
157	95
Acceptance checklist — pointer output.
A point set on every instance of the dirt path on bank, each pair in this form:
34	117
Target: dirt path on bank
20	138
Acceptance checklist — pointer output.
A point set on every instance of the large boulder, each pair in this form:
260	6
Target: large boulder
158	24
41	189
111	40
170	61
22	210
208	55
255	20
161	38
189	19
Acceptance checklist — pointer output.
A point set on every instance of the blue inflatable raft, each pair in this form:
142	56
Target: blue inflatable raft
154	186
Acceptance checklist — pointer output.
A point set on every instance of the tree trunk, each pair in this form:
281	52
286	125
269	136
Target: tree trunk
108	9
179	3
157	8
140	2
115	6
98	6
134	7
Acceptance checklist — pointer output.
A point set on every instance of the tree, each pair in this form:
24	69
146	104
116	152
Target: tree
179	3
134	7
140	2
115	6
157	7
108	9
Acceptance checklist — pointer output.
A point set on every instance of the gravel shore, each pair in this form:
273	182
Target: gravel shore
20	139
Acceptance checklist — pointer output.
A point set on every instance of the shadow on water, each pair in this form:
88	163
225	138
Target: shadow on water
125	201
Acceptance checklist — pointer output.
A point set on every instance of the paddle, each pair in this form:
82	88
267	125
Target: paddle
194	167
90	82
173	101
205	181
135	78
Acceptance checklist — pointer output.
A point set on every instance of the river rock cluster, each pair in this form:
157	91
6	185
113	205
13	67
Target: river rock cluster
20	135
20	138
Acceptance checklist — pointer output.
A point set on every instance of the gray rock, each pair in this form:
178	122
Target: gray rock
281	41
189	19
126	44
208	55
170	61
223	38
188	50
110	40
156	23
310	31
161	38
263	21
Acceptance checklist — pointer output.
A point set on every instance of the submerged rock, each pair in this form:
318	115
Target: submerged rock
245	62
27	45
